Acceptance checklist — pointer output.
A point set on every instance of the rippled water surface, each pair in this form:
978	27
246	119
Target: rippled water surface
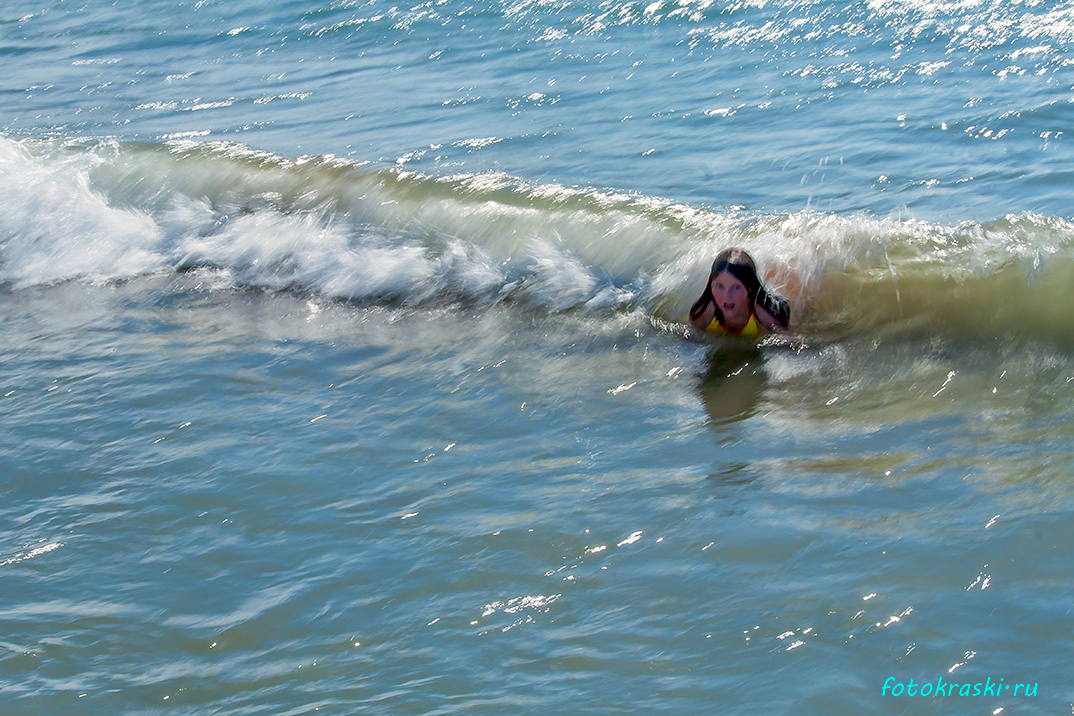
345	369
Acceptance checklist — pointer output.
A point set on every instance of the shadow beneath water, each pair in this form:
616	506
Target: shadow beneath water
732	383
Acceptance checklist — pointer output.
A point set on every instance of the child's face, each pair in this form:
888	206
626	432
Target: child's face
732	298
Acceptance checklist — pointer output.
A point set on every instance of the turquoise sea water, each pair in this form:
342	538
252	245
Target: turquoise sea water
344	365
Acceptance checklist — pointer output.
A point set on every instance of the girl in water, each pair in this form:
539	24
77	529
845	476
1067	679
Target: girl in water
735	303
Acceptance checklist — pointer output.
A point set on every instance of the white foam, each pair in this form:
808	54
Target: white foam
53	227
358	233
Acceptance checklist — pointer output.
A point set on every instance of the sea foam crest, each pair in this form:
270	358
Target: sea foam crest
350	231
54	227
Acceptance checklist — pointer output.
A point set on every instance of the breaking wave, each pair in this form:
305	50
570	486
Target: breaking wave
357	232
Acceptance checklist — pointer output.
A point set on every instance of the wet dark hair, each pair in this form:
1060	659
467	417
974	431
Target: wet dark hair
739	264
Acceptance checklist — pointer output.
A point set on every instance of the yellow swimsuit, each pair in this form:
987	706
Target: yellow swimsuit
752	329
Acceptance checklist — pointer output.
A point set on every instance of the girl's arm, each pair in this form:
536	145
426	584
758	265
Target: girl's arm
772	311
766	319
701	319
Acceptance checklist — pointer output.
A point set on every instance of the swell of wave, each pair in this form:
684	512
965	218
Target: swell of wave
348	231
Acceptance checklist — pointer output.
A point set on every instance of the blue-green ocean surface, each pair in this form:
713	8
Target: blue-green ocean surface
344	366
